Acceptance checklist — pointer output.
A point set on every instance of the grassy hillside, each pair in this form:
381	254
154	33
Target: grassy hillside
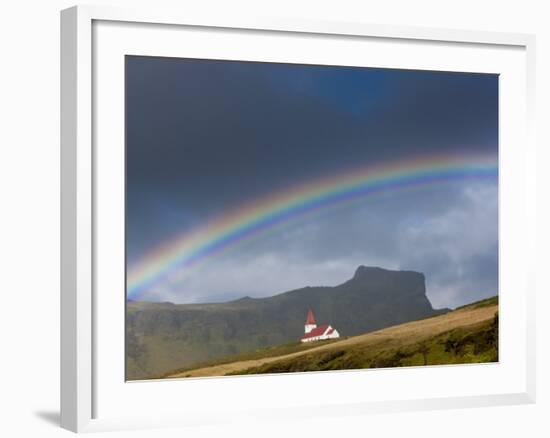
164	336
467	335
277	351
474	344
492	301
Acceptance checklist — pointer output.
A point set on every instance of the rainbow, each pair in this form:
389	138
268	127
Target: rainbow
257	216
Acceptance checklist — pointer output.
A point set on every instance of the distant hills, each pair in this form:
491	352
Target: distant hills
468	334
165	336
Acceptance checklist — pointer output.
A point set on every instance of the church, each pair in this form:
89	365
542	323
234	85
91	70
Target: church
314	333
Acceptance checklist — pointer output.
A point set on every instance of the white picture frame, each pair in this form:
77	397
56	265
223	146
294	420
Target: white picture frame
84	383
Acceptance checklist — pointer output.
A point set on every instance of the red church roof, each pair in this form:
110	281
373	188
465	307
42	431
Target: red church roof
310	319
318	331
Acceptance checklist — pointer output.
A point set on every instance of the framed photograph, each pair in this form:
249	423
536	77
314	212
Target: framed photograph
258	209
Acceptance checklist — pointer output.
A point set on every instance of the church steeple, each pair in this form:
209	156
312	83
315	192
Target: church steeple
310	322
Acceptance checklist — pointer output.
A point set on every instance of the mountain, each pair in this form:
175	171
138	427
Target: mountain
468	334
164	336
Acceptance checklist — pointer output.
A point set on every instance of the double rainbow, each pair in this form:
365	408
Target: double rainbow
252	218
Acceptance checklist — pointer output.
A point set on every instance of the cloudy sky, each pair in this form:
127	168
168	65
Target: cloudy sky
204	137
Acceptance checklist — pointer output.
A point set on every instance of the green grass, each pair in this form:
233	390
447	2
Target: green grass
492	301
279	350
473	344
462	345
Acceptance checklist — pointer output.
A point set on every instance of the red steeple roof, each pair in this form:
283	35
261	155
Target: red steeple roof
310	319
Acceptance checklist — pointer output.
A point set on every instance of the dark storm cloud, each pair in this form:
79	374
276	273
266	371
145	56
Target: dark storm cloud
203	136
448	233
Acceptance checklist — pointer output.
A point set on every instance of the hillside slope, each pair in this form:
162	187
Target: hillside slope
466	335
164	336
